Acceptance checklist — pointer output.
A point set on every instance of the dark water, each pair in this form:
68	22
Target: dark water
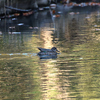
73	75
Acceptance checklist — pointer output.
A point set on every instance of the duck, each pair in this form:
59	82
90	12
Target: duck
52	51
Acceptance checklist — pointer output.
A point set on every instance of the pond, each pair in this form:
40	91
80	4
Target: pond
73	75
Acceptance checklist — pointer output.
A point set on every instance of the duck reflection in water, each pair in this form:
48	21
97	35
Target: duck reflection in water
48	53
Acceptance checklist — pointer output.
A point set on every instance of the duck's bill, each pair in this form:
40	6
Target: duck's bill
58	51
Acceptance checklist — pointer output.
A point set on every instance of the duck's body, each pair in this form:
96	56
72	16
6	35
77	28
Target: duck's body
48	52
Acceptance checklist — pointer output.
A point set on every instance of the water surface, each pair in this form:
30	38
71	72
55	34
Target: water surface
73	75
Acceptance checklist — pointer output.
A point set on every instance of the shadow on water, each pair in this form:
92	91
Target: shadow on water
71	75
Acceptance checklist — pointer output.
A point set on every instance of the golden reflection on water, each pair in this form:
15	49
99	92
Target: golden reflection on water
49	81
47	37
53	87
48	71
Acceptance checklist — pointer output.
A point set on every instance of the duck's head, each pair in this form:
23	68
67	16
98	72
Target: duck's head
54	49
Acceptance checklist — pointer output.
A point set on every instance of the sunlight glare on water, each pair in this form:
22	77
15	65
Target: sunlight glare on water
72	75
